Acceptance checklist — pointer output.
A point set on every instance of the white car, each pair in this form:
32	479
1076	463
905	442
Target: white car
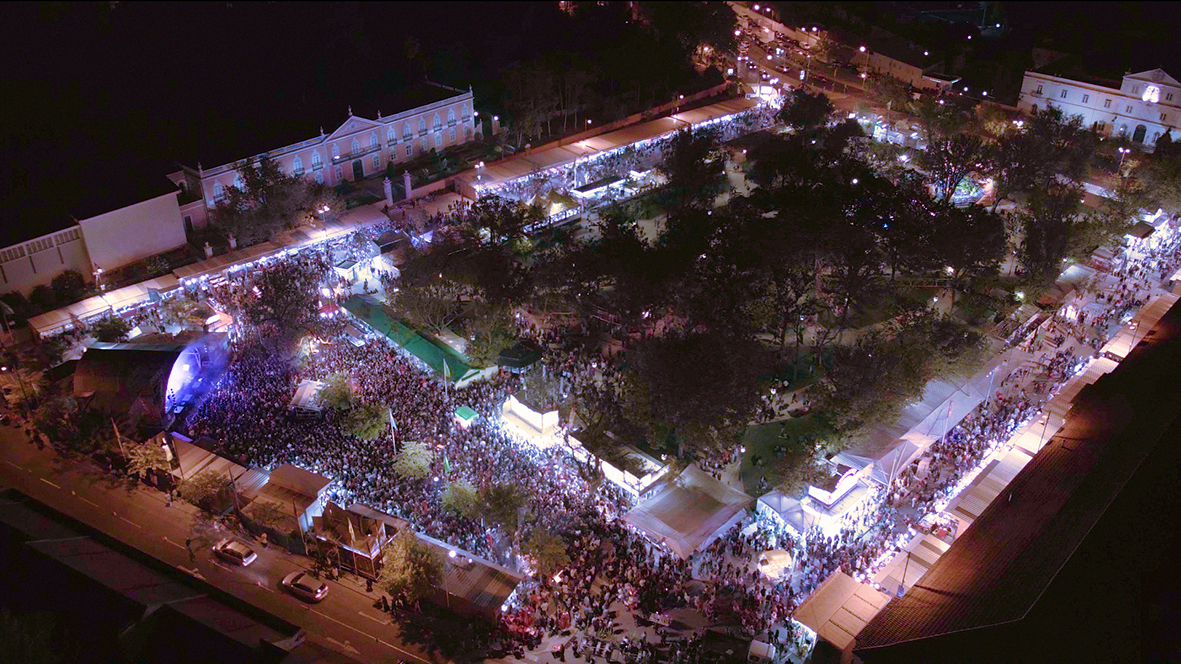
305	587
235	552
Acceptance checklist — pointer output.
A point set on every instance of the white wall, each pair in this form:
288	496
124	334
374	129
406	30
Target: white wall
27	265
137	231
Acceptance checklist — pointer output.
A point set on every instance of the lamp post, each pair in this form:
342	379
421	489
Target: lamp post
98	278
1123	152
479	172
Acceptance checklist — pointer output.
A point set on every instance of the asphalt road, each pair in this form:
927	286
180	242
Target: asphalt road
139	516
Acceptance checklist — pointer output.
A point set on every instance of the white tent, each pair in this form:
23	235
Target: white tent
889	449
690	511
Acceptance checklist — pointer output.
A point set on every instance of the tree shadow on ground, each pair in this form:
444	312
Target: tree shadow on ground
446	635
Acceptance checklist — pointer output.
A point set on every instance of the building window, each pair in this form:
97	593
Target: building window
1086	98
1129	109
1164	117
1136	90
1038	91
467	132
373	140
437	122
1107	104
393	136
355	147
1169	97
1062	95
339	174
320	177
336	152
409	149
376	162
466	113
316	159
421	126
406	132
297	166
450	116
425	145
238	182
451	135
438	140
219	192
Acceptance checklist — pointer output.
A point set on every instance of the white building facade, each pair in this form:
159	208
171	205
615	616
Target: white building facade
32	263
1145	107
357	149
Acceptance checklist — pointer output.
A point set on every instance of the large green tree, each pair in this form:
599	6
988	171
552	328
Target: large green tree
703	404
265	201
547	550
414	461
144	458
285	300
410	568
366	421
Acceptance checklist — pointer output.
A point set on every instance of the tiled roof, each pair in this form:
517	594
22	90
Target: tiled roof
998	570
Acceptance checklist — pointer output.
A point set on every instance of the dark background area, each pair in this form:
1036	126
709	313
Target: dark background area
101	100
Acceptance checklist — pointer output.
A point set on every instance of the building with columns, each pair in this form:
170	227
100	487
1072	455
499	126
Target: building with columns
395	130
1142	107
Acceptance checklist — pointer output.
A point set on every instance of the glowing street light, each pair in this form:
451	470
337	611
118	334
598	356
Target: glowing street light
862	49
1123	152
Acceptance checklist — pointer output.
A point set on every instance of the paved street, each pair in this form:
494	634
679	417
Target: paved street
139	516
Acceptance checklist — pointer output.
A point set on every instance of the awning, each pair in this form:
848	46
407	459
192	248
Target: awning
1141	230
840	608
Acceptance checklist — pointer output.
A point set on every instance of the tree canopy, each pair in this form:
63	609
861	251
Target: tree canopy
269	201
410	568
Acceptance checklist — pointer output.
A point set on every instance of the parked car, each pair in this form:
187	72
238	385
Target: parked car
305	587
235	552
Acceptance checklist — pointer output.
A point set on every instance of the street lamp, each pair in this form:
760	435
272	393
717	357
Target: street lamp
98	278
1123	152
479	171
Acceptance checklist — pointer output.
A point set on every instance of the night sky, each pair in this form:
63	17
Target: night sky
101	103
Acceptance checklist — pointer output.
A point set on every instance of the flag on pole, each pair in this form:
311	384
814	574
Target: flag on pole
446	371
446	464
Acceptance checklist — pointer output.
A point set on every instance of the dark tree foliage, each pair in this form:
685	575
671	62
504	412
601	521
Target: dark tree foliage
950	161
701	387
110	329
1047	224
69	286
805	112
270	201
695	170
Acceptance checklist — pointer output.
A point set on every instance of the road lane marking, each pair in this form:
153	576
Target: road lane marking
381	641
173	543
376	620
260	585
132	522
88	501
49	483
344	624
222	566
13	464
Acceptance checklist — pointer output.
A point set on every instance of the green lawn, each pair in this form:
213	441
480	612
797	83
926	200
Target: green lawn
761	440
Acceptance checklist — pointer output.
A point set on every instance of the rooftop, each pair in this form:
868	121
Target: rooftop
1077	528
241	136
